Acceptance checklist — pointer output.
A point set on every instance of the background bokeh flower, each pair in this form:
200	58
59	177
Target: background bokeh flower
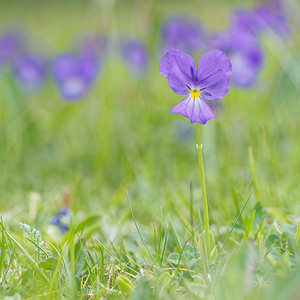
134	55
30	72
182	33
74	75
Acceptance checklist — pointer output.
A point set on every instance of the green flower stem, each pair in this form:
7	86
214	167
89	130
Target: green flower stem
203	188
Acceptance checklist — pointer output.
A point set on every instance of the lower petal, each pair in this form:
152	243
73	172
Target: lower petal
197	110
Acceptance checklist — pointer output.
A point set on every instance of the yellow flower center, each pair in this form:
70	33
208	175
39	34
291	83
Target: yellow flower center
195	94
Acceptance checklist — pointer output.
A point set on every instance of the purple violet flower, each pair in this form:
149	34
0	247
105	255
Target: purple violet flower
30	72
210	81
74	75
134	54
181	33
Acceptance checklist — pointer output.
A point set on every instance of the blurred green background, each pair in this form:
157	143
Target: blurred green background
120	145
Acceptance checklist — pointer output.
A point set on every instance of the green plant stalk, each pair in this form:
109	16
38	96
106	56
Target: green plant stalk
203	188
253	172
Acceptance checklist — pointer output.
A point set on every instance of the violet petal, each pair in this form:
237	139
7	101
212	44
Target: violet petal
211	62
179	69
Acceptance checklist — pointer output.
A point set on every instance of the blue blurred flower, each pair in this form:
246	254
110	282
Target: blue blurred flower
64	228
30	72
55	220
181	33
61	219
64	212
74	74
134	55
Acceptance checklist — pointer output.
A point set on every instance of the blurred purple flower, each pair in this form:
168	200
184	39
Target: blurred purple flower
243	47
246	21
30	72
210	81
94	46
272	15
74	75
181	33
11	45
134	54
246	56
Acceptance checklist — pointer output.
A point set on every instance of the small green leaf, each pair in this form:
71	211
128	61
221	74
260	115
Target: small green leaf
49	264
87	222
124	284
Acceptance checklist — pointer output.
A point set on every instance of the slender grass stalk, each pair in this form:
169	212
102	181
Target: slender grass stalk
202	258
253	172
55	274
142	239
203	188
233	225
191	206
72	265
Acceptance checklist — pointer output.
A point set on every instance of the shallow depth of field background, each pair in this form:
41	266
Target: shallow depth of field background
119	147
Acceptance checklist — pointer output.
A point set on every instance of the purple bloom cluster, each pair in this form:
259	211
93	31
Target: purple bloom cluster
73	72
209	81
242	40
76	70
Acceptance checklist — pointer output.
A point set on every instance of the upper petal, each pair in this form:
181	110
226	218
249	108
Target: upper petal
179	69
214	86
211	62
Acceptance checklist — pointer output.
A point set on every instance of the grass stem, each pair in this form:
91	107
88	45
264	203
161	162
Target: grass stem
203	188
